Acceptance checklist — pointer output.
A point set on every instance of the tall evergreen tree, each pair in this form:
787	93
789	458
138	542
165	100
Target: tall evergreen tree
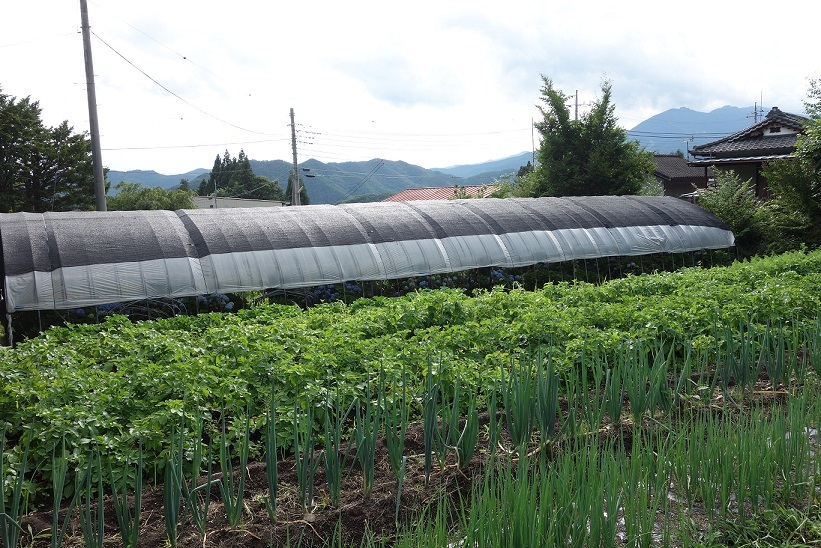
586	157
41	168
234	178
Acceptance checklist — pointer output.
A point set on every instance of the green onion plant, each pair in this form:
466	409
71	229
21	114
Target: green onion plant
92	513
59	467
519	404
128	519
173	484
271	472
11	510
396	418
366	431
233	490
430	414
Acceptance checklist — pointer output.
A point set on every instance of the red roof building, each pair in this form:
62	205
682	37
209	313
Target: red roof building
443	193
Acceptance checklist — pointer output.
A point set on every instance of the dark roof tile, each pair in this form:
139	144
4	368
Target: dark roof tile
752	139
672	167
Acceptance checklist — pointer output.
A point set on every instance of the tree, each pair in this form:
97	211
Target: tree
41	168
234	178
794	183
734	202
585	157
524	170
134	196
303	192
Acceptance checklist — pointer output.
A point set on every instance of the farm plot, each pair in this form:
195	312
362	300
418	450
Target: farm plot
427	409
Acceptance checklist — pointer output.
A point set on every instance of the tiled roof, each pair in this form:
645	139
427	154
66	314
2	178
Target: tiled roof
737	159
672	167
752	142
775	144
442	193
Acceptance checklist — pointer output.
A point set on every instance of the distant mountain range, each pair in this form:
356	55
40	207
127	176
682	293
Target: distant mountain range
333	183
330	183
683	128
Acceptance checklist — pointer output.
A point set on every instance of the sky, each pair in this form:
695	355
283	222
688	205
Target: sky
434	84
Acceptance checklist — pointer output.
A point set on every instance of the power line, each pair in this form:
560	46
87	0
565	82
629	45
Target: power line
365	180
201	145
169	48
124	58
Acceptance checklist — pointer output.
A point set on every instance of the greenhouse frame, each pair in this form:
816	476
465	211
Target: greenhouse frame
54	261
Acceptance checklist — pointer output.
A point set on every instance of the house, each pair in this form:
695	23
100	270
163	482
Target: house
746	151
443	193
676	175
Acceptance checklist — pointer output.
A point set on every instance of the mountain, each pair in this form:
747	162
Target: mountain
347	181
683	128
338	182
333	183
511	164
152	178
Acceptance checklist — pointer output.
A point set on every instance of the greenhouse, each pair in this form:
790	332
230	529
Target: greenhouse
55	261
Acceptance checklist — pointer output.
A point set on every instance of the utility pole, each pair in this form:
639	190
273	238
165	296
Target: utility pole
577	106
295	186
96	153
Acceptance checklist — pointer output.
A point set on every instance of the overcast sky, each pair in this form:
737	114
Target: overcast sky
433	83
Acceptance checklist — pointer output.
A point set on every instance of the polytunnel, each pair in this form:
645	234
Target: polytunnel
53	261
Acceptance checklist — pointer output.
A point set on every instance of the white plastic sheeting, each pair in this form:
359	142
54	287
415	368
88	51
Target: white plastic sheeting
70	260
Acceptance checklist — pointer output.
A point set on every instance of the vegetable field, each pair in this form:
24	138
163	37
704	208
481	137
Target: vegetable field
669	409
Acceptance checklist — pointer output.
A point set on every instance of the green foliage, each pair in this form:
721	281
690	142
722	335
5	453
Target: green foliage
233	489
92	513
795	204
525	169
234	178
734	202
271	464
41	168
794	185
59	467
366	432
127	519
307	461
586	157
134	196
651	187
14	508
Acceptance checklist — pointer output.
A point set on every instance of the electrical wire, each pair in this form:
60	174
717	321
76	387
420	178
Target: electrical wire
199	145
365	180
141	71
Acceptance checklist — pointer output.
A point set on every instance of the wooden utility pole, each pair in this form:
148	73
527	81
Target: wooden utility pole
295	186
96	153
